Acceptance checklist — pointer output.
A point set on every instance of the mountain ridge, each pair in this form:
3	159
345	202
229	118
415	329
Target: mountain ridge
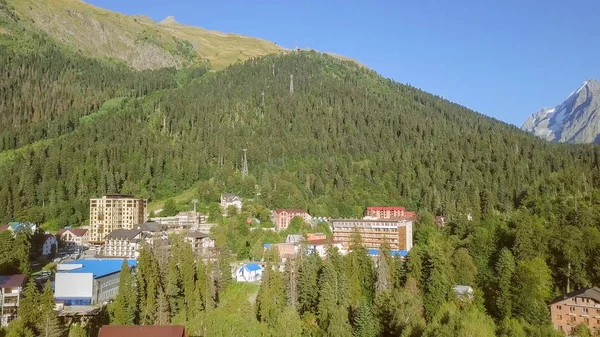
575	120
136	40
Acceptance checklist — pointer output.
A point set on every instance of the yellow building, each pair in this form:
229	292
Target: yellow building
113	212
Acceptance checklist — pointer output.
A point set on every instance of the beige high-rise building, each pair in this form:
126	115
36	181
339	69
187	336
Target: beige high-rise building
115	211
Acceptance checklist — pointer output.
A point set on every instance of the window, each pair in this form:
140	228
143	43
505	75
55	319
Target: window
573	318
572	309
559	307
584	311
587	320
559	317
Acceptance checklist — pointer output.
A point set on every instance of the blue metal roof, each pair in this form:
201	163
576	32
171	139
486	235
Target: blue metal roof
401	253
252	267
267	245
99	267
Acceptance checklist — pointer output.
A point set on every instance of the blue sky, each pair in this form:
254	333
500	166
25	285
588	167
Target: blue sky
505	59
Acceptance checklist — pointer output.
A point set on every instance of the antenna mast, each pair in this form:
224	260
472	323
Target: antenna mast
245	165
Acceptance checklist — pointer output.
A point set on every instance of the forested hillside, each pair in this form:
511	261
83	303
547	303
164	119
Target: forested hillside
345	138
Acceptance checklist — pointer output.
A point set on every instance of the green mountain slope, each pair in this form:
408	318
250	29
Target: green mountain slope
344	139
137	41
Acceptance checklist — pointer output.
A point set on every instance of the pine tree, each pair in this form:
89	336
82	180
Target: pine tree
328	294
48	324
29	307
384	275
173	287
124	308
505	268
148	283
365	321
308	287
163	315
187	268
339	325
360	271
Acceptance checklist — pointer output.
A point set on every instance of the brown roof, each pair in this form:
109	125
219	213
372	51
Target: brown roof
593	293
12	281
143	331
4	227
76	231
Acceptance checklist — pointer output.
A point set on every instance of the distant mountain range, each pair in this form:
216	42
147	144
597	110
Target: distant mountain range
576	120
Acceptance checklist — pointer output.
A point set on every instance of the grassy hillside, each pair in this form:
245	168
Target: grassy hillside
137	41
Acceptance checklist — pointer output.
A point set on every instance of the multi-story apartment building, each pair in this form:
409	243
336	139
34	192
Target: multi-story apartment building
11	287
73	238
398	233
283	216
113	212
578	307
394	212
88	281
122	243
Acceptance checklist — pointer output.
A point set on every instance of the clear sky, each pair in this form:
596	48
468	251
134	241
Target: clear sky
506	59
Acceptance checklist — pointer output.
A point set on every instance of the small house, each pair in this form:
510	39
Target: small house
251	272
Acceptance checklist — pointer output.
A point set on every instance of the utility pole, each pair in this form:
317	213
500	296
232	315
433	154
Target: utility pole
291	84
245	164
273	65
263	99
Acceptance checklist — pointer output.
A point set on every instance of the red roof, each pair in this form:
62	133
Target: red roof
4	227
12	281
391	208
79	232
143	331
290	210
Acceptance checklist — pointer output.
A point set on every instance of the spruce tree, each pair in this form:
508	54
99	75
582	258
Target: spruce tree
187	269
339	325
308	283
123	310
29	307
173	287
505	268
365	322
163	315
48	324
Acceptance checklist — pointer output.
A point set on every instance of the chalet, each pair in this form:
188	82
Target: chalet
228	199
50	244
578	307
73	238
283	216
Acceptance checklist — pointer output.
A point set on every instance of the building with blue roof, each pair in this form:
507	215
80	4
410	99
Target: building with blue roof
88	281
251	272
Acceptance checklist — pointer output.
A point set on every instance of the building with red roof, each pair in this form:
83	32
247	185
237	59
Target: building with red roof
73	237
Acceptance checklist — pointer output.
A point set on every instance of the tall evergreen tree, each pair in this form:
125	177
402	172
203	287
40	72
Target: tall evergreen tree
48	324
308	286
365	322
125	307
505	268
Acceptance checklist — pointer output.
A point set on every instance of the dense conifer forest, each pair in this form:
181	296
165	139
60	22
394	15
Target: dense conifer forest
72	127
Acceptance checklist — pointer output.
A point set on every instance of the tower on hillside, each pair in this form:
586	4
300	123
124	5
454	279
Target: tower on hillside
245	165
